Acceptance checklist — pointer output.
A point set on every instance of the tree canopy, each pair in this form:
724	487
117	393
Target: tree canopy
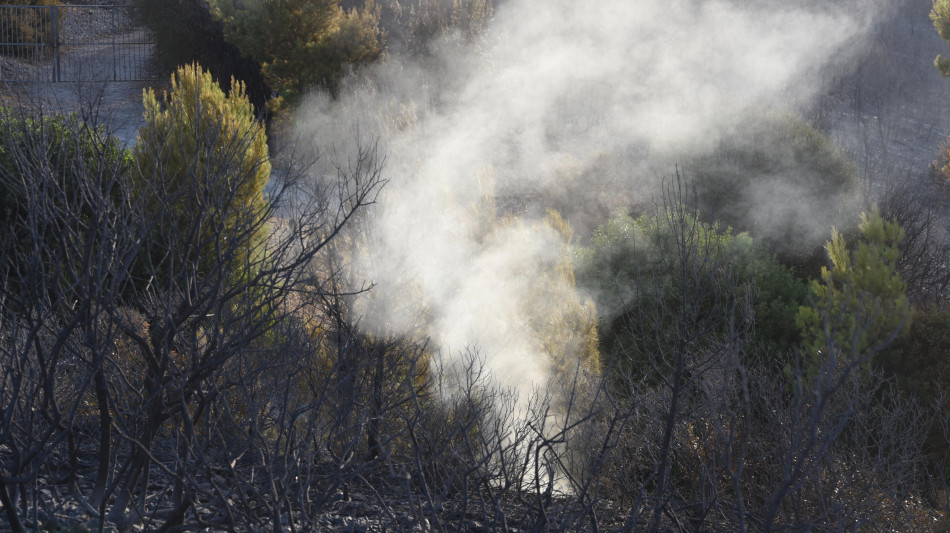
860	302
301	44
207	152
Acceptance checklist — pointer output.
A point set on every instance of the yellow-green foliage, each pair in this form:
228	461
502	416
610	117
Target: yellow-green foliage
568	328
301	44
940	15
564	324
944	161
859	303
202	164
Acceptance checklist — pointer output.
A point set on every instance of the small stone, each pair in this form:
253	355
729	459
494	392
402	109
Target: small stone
476	527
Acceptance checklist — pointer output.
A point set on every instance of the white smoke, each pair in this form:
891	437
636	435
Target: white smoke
566	99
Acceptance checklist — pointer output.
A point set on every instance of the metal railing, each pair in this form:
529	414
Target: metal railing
72	43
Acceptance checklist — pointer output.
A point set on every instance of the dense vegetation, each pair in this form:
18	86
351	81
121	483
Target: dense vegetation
778	156
184	344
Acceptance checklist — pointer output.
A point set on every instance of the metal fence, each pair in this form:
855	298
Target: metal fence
72	43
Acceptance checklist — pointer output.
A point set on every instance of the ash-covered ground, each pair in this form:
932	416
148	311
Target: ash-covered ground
892	114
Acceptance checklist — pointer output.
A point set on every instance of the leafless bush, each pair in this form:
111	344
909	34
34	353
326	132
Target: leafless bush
76	352
925	249
416	24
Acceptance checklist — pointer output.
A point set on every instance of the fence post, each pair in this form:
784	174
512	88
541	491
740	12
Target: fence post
54	18
115	75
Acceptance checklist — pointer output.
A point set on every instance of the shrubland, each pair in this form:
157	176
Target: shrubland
201	361
187	339
301	45
629	270
781	180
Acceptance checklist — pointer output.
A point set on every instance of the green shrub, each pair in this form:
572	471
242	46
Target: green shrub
201	167
627	267
782	181
301	44
860	303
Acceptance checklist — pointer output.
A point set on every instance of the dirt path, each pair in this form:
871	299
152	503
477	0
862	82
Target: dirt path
115	105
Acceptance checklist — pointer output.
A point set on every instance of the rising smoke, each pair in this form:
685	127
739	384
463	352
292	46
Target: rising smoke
580	105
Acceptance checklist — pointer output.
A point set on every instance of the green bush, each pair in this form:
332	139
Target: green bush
784	182
301	44
627	269
201	167
860	303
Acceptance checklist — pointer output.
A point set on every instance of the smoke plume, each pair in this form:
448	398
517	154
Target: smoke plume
573	104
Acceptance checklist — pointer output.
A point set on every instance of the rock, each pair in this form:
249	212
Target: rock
476	527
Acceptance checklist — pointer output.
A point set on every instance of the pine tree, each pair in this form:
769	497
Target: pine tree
202	164
940	15
301	44
860	303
